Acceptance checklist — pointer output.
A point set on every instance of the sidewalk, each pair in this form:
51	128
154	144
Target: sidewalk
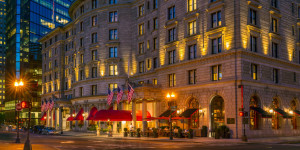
13	146
207	140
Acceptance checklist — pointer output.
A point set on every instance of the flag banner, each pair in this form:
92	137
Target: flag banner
110	96
46	106
130	93
120	95
42	106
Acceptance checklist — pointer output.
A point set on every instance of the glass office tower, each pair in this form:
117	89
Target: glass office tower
2	52
27	21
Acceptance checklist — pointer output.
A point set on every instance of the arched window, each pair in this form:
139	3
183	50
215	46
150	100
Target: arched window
217	112
276	117
194	104
254	115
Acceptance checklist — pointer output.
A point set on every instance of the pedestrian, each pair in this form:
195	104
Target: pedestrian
131	127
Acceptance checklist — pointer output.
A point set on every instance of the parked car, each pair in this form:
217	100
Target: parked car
38	129
49	130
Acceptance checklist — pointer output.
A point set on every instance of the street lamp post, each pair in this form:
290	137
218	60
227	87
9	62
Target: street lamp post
18	84
27	145
170	98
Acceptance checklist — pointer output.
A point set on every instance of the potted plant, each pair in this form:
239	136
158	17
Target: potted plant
180	133
80	125
125	132
138	131
109	131
190	133
155	133
131	133
204	131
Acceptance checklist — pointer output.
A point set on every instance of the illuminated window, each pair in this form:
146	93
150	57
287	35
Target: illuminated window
274	25
113	16
66	60
192	26
94	89
254	71
216	19
94	21
112	86
141	29
216	72
192	5
154	81
50	65
81	58
141	67
141	10
94	55
172	80
113	70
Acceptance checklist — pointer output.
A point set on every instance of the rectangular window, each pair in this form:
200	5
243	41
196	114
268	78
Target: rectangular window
172	80
216	19
141	10
192	5
295	77
112	86
171	57
94	38
148	63
252	16
216	45
171	13
274	50
81	58
155	24
113	52
113	16
66	60
192	51
274	25
94	55
50	65
171	34
113	34
155	4
82	9
81	74
141	48
81	26
94	72
81	42
275	76
141	29
192	76
81	91
154	81
254	71
155	62
141	67
94	89
192	26
216	72
113	1
113	70
94	4
253	43
94	21
155	43
274	3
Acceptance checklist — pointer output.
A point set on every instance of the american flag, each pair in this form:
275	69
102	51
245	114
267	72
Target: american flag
46	105
120	95
130	93
49	105
110	96
42	106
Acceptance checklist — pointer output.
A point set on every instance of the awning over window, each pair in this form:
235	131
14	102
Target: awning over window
92	113
70	119
113	115
44	116
297	112
79	115
179	118
188	113
282	113
263	113
167	113
139	115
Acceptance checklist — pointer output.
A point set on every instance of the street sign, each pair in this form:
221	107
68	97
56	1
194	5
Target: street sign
18	107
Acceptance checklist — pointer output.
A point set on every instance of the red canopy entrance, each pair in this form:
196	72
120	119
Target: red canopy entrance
79	115
71	118
113	115
92	114
139	115
44	116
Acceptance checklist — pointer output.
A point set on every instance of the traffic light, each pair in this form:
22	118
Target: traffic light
241	113
25	104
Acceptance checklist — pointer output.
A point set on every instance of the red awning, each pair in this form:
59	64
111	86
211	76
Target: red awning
44	116
79	115
139	115
163	118
113	115
92	114
179	118
70	119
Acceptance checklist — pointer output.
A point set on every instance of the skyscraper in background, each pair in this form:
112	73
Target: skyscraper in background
2	52
27	21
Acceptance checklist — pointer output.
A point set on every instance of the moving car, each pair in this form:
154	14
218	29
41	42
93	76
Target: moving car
38	129
49	130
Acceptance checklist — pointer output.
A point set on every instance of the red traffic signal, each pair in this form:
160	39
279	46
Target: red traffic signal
25	104
241	114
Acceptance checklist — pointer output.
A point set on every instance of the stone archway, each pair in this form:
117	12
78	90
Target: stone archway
193	103
217	112
255	117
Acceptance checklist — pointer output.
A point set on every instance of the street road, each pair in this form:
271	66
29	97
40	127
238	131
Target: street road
46	142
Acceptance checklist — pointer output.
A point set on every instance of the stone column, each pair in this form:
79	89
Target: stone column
115	123
155	112
47	118
60	118
144	114
86	111
55	119
134	114
51	118
71	115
